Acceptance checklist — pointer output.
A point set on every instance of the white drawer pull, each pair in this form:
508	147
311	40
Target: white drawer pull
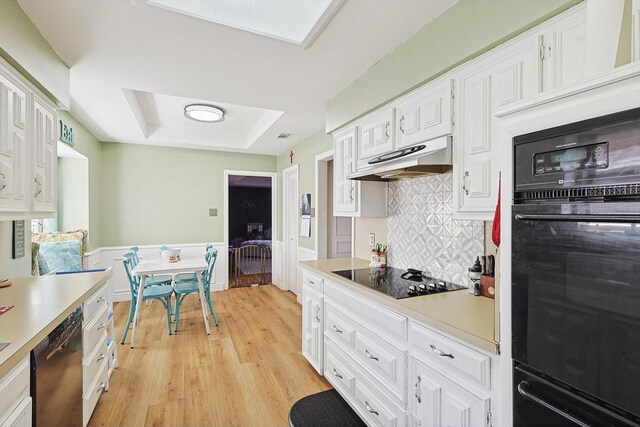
440	352
101	357
101	326
101	387
417	394
335	328
371	356
370	409
335	373
101	299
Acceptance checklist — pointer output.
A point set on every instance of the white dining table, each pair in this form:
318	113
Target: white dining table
149	267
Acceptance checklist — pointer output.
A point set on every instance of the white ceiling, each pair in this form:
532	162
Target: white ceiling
127	53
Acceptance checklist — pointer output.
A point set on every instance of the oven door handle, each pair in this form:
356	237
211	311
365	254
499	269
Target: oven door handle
578	217
522	389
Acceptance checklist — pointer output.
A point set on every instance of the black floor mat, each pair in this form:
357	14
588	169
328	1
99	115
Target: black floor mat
324	409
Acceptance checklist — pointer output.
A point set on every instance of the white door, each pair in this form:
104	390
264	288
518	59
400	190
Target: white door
290	235
340	237
564	52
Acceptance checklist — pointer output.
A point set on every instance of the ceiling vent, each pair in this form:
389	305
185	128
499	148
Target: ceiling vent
285	135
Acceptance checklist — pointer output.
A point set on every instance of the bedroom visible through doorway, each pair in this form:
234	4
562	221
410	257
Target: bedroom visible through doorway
250	230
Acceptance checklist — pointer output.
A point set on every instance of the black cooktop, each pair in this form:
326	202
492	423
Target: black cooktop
397	283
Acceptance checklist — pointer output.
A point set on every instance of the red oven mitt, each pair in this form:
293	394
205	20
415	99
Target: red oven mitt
495	231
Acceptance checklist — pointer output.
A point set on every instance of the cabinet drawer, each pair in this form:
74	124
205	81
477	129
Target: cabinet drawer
377	318
21	416
338	328
339	372
95	303
312	280
91	397
385	362
94	331
376	411
460	361
92	364
14	387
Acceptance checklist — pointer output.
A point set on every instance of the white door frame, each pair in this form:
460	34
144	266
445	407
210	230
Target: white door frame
274	223
286	257
321	223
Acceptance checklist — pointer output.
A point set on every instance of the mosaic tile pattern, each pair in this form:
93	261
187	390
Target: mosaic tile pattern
423	234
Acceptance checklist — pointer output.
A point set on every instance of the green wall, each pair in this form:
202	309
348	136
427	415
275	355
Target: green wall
87	145
467	29
155	195
73	194
304	155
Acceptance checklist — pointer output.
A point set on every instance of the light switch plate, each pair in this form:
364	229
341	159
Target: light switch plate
372	239
213	212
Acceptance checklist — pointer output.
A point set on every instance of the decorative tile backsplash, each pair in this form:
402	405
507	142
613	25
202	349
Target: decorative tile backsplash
423	234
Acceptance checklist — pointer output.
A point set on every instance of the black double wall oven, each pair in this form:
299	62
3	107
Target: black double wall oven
576	274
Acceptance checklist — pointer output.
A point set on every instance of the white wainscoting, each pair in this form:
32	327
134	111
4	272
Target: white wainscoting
304	254
112	257
276	267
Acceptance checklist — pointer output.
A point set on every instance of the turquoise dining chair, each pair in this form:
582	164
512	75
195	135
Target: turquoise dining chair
156	280
187	277
159	292
185	287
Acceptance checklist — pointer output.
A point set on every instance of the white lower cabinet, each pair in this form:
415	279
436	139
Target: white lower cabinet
312	327
392	370
21	416
15	400
438	401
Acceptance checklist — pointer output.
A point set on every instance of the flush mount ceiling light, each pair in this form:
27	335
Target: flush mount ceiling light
204	113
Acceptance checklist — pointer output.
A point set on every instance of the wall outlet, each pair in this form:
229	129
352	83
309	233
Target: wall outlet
213	212
372	239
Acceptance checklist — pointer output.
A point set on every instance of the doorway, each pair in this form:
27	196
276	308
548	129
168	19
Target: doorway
290	216
334	233
249	218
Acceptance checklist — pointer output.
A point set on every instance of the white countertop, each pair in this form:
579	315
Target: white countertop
41	303
459	313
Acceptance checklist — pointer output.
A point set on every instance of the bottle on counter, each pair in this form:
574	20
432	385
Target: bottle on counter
474	275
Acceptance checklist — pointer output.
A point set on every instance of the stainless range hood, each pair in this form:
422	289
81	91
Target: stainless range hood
431	158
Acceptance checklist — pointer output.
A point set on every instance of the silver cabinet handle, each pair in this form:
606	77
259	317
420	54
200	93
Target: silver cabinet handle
351	193
311	282
417	393
101	357
318	313
101	299
335	373
101	387
38	187
335	328
402	124
102	326
3	181
440	352
464	183
371	356
386	129
370	409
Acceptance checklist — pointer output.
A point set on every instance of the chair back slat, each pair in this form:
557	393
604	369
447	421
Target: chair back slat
212	254
129	264
135	258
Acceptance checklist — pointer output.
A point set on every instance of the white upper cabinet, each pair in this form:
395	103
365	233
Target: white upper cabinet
495	81
14	169
425	114
345	191
375	136
45	156
563	49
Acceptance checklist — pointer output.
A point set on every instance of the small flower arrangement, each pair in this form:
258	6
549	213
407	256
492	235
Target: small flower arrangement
378	256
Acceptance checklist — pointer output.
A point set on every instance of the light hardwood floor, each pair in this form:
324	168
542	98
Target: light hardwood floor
247	373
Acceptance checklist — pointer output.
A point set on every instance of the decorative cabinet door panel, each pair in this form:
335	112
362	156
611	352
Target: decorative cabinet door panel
495	83
375	136
565	51
425	115
437	401
344	190
312	342
14	169
45	157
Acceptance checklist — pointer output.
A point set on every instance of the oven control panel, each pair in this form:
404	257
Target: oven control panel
594	156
